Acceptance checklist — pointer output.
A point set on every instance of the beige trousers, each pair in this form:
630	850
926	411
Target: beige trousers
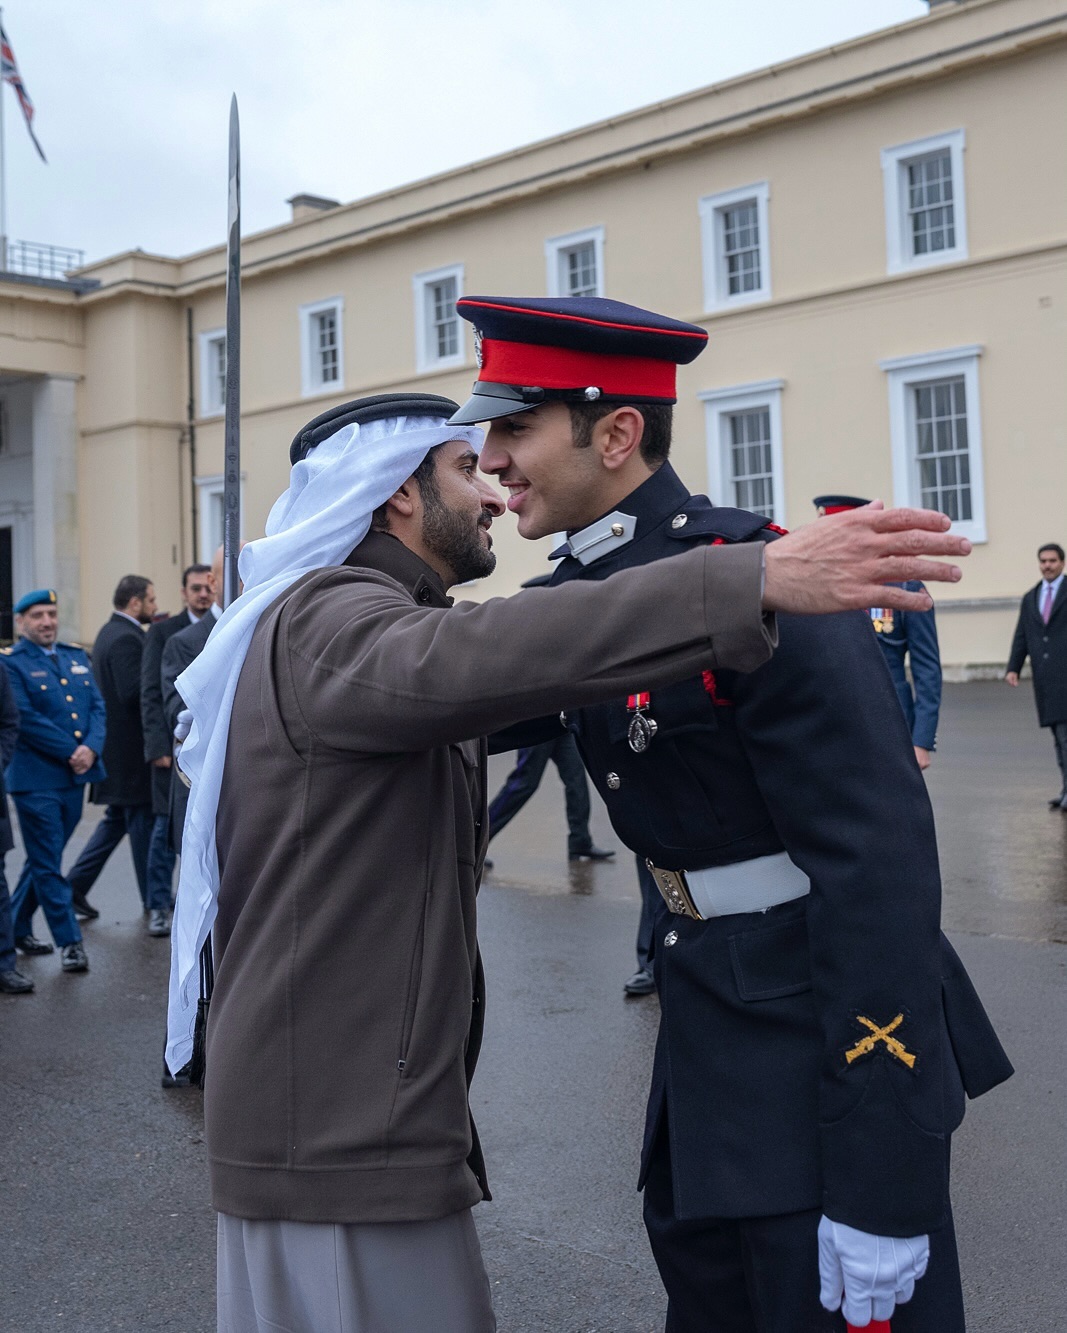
311	1277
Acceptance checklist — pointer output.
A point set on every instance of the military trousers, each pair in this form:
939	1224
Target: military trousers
525	778
46	819
761	1274
7	933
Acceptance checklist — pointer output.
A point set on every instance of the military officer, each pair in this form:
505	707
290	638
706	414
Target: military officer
910	634
60	739
818	1032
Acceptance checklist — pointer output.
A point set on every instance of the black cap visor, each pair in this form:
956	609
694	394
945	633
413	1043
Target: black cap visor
488	401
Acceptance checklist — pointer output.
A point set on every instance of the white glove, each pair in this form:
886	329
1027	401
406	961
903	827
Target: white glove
873	1273
183	724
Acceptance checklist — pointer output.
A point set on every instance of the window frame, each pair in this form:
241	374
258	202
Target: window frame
426	362
557	246
903	375
208	540
895	162
208	405
719	406
311	385
711	209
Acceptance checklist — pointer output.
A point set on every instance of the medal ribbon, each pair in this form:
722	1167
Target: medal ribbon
637	703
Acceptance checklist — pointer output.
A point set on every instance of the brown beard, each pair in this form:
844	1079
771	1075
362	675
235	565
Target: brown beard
455	538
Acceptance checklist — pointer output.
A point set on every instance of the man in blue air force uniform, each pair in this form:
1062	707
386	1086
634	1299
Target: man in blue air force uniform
905	634
818	1032
61	736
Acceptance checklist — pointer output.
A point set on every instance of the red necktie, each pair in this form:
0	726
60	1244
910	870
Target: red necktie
1046	610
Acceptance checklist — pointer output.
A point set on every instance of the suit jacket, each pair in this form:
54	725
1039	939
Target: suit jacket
179	650
117	665
774	1102
9	734
1046	647
157	740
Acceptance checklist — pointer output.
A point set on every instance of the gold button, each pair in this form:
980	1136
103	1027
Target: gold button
617	529
70	698
74	716
614	781
679	520
62	680
78	734
44	687
670	938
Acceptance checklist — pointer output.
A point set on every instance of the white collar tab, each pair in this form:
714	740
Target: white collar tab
602	537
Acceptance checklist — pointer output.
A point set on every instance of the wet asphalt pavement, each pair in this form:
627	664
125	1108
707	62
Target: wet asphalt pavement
106	1221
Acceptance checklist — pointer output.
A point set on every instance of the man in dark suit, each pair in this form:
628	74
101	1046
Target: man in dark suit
1041	635
178	652
12	982
126	791
198	593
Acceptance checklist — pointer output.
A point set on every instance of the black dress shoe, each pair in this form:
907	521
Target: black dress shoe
179	1080
14	983
27	944
74	959
158	923
641	983
83	909
590	853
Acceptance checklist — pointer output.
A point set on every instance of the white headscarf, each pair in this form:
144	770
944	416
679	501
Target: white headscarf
324	514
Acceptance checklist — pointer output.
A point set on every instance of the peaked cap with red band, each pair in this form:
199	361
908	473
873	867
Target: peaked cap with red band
836	504
572	349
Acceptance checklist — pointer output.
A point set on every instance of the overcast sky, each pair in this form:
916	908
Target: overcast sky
342	97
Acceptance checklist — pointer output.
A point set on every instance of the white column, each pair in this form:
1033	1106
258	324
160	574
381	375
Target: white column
57	554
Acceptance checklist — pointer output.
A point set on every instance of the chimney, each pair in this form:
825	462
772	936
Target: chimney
308	205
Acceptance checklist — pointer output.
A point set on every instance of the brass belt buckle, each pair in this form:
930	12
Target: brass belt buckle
675	891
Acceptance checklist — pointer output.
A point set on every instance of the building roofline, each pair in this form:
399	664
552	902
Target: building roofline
503	180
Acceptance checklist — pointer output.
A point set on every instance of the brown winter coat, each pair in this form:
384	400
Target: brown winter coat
347	1010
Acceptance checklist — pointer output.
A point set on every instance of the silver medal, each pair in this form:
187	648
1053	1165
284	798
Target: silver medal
642	729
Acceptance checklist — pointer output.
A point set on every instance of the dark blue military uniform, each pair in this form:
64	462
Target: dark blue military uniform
818	1032
757	1114
59	708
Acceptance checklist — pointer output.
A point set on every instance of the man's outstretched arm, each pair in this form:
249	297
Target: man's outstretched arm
841	563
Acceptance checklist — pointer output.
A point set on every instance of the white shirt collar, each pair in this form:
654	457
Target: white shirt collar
194	619
216	610
132	619
1054	585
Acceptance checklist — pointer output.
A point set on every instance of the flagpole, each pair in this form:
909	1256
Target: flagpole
3	174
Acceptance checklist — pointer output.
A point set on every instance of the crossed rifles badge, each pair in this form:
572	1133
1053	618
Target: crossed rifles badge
875	1035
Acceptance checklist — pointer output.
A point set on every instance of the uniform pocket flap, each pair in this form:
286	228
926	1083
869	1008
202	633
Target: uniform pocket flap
772	961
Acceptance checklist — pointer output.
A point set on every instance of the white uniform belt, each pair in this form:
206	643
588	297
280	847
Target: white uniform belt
745	886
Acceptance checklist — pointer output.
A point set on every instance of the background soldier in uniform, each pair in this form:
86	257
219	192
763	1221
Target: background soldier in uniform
905	634
818	1032
61	735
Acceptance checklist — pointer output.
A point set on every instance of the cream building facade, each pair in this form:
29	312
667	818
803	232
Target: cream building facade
875	236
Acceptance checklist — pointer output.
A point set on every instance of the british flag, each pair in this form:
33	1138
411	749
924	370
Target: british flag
9	73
